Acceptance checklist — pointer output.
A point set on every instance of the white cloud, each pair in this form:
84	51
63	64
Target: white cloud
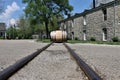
23	8
12	21
10	9
6	15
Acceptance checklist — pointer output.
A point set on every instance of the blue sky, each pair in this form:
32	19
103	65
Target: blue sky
80	5
13	9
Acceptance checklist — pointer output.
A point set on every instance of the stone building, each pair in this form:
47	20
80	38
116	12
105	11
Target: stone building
102	23
2	30
98	2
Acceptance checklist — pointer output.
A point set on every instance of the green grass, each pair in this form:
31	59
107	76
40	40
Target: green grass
93	42
76	41
79	41
1	38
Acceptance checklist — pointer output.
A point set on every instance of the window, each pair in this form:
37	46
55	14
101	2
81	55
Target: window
104	34
72	22
105	13
1	34
84	35
84	20
72	35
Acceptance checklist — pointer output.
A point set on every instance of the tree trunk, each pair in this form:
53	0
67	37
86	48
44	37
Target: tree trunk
47	31
40	35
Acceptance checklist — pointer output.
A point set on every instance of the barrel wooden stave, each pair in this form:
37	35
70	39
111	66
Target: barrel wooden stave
58	36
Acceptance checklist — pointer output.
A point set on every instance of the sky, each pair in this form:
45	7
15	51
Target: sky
13	9
80	5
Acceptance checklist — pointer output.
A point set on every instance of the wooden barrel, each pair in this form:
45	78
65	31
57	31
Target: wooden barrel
52	35
58	36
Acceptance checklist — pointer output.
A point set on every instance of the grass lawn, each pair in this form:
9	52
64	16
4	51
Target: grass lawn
78	41
93	42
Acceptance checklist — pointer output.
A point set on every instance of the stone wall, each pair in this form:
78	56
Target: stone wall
78	28
95	23
117	10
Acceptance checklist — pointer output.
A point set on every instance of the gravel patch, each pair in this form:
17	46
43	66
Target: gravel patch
105	59
13	50
55	63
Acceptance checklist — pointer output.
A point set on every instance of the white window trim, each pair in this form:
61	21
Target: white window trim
84	20
84	36
104	37
72	23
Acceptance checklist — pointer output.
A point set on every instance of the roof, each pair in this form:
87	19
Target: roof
102	6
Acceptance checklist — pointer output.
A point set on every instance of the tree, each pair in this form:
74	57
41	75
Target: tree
24	28
42	11
11	32
53	24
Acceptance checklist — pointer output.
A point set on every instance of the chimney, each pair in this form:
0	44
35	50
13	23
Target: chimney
93	3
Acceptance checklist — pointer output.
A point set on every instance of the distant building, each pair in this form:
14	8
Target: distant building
102	23
2	30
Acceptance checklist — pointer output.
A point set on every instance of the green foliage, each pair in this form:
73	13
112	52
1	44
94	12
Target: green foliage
93	42
23	32
26	29
92	39
46	11
53	24
76	38
11	33
115	39
1	38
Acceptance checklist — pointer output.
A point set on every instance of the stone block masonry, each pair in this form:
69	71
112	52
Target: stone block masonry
102	23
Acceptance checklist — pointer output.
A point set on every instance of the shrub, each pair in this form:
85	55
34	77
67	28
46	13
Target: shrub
76	38
1	38
115	39
68	38
92	39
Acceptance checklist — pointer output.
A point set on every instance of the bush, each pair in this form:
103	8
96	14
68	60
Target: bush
115	39
76	38
68	38
1	38
92	39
